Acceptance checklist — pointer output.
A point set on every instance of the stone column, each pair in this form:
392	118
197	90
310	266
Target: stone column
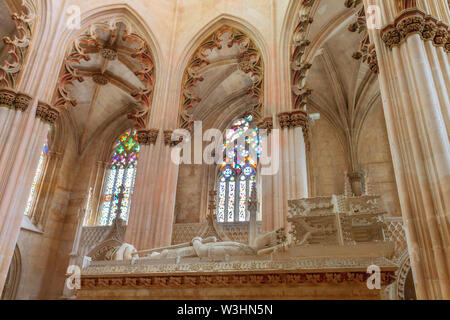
291	179
295	130
24	125
412	50
153	201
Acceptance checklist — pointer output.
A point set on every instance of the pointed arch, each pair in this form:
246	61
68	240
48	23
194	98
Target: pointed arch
117	12
250	60
13	277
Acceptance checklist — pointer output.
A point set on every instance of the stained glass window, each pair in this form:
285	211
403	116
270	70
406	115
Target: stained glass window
36	179
120	178
238	173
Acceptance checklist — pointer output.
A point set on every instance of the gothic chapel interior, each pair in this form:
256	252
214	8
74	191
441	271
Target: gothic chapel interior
225	149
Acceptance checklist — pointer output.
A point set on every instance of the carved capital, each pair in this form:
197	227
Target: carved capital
13	100
294	119
7	98
147	137
415	21
411	24
297	118
266	124
46	113
168	139
391	36
284	119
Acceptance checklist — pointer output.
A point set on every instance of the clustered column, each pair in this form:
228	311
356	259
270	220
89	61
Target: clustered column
22	137
290	181
153	201
412	50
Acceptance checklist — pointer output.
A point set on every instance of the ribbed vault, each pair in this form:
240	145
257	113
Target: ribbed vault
108	77
223	77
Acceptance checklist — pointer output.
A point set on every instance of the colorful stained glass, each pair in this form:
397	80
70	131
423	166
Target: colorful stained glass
231	200
242	144
36	179
242	199
222	195
121	174
242	150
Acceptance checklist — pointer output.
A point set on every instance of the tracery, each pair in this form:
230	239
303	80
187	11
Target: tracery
237	174
120	178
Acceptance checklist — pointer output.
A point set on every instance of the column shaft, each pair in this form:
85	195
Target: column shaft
414	86
22	137
153	201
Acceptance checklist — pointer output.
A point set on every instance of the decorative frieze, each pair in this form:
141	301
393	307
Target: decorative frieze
13	100
46	113
305	264
269	279
147	137
415	21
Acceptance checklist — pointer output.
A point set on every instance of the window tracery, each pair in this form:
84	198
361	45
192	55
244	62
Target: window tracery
237	175
37	177
120	178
